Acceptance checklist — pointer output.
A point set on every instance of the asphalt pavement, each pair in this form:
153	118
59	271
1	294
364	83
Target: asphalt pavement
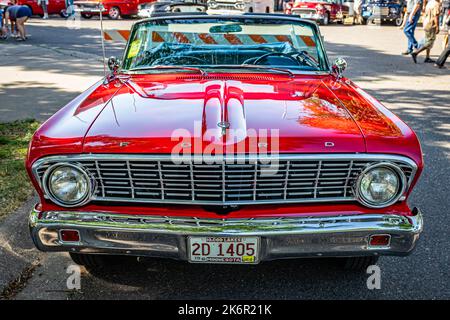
59	61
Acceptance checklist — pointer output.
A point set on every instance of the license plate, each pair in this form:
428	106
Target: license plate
238	250
306	15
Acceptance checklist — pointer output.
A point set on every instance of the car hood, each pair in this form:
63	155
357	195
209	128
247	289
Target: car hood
214	114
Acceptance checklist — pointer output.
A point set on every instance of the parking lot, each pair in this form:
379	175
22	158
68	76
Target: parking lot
61	59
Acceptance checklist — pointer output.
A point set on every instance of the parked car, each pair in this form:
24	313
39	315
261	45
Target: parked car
384	10
54	7
164	7
225	139
321	11
240	6
113	9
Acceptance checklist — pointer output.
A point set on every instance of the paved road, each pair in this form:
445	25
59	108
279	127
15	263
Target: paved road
419	94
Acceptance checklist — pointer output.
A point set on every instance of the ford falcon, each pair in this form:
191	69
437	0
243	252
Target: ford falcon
225	139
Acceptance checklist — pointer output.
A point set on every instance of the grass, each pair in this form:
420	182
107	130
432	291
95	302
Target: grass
15	187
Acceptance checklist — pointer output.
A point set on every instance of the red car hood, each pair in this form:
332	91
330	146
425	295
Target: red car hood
151	115
166	113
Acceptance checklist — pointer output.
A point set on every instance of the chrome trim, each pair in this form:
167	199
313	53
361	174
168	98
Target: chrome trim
400	192
285	237
228	159
90	182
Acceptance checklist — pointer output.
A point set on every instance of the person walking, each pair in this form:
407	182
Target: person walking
445	13
18	15
357	15
414	7
444	55
431	27
44	5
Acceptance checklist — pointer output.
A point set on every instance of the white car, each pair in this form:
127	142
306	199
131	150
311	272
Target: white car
240	6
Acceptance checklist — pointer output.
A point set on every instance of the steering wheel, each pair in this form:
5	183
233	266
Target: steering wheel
280	54
176	59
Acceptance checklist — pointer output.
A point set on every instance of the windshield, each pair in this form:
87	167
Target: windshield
224	42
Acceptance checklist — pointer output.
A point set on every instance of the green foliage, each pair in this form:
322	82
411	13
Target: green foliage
15	187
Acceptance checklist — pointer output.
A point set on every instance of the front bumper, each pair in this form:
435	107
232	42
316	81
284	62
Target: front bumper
289	237
309	16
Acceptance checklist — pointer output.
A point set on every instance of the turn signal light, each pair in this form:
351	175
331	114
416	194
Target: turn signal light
382	240
70	235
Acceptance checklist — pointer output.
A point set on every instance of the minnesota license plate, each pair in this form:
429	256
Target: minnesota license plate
224	249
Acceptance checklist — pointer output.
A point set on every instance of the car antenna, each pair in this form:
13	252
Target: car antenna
101	8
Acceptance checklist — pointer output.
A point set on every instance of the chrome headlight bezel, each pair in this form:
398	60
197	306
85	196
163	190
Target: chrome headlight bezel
401	189
79	168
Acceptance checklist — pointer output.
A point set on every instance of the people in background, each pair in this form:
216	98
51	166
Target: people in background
357	8
3	30
431	28
413	9
44	5
444	55
17	15
445	8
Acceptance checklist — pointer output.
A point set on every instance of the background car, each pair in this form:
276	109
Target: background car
240	6
384	10
321	11
163	7
114	9
54	6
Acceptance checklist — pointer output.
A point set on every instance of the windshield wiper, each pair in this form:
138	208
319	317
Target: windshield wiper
198	70
254	66
308	58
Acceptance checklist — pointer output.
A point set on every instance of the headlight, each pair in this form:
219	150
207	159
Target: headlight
380	185
67	185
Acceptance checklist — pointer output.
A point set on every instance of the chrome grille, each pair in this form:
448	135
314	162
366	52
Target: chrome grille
304	11
244	180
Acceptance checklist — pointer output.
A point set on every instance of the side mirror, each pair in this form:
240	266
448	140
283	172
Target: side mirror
339	66
113	64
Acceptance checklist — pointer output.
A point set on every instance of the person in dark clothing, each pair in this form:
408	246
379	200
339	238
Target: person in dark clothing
444	55
18	15
3	30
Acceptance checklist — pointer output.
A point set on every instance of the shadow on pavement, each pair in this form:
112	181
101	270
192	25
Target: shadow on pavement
16	102
166	279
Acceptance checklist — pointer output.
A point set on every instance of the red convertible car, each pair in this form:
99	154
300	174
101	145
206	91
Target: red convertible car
321	11
113	9
225	139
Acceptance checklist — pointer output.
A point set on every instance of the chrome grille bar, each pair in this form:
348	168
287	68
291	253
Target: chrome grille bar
225	181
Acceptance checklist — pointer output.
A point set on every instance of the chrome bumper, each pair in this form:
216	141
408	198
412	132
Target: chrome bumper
345	235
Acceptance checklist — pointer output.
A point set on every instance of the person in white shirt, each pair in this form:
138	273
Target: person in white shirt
44	5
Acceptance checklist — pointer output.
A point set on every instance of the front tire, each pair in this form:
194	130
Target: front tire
326	19
359	263
114	13
398	22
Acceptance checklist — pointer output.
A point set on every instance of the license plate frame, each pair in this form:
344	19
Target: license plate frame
214	259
